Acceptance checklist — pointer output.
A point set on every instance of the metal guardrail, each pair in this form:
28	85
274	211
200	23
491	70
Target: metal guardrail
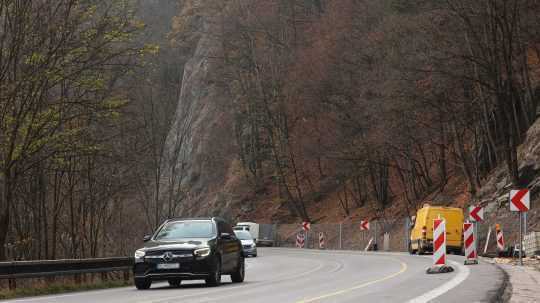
51	268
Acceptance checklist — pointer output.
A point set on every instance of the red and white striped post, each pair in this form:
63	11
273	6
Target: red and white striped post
439	248
470	244
321	240
300	240
500	239
439	242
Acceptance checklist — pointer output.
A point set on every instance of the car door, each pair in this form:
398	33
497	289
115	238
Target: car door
236	247
224	247
230	247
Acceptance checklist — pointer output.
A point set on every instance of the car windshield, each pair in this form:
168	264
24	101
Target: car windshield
243	235
186	229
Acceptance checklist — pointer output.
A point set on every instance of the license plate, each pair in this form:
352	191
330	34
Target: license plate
168	266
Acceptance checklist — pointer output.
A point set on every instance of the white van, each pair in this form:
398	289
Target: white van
252	228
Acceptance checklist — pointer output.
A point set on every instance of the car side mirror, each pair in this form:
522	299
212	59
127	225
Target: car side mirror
226	236
147	238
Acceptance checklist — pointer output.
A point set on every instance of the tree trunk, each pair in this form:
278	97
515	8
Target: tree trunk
5	212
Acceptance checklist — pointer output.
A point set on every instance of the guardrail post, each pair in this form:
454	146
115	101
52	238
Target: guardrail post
407	233
77	279
126	275
12	284
340	235
104	277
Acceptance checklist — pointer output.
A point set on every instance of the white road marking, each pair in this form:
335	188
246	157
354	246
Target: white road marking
350	289
463	273
247	291
275	280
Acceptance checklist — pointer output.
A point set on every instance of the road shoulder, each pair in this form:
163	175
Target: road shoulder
485	283
523	283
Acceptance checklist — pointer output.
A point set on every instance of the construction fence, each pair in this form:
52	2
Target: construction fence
390	235
394	235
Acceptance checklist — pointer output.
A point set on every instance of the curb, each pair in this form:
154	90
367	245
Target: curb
504	292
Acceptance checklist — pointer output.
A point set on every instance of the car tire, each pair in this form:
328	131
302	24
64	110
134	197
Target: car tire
215	277
239	273
255	255
142	284
175	282
420	250
411	250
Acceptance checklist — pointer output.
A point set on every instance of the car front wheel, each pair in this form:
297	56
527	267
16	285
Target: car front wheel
142	284
214	279
238	275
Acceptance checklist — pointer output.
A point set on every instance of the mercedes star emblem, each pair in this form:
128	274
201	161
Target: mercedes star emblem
168	256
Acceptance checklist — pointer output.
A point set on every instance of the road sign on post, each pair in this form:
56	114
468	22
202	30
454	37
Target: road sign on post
306	226
520	201
364	225
476	213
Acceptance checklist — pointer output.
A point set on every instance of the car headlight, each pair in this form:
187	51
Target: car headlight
253	245
202	252
139	254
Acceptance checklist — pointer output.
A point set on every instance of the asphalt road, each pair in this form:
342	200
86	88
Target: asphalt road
302	276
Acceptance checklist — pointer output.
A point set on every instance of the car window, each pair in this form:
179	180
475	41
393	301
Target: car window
243	235
223	227
229	228
186	229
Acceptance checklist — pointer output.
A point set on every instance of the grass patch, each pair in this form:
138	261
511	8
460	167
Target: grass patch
58	288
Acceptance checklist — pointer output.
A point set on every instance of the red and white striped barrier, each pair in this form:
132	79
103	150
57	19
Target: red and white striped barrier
439	242
470	243
300	240
439	248
321	240
500	239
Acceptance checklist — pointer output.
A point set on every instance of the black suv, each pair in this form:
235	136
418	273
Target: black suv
189	249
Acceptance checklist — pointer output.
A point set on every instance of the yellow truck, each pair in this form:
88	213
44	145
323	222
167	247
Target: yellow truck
422	229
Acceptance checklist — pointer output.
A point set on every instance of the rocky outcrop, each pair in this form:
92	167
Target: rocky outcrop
494	194
497	186
200	145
